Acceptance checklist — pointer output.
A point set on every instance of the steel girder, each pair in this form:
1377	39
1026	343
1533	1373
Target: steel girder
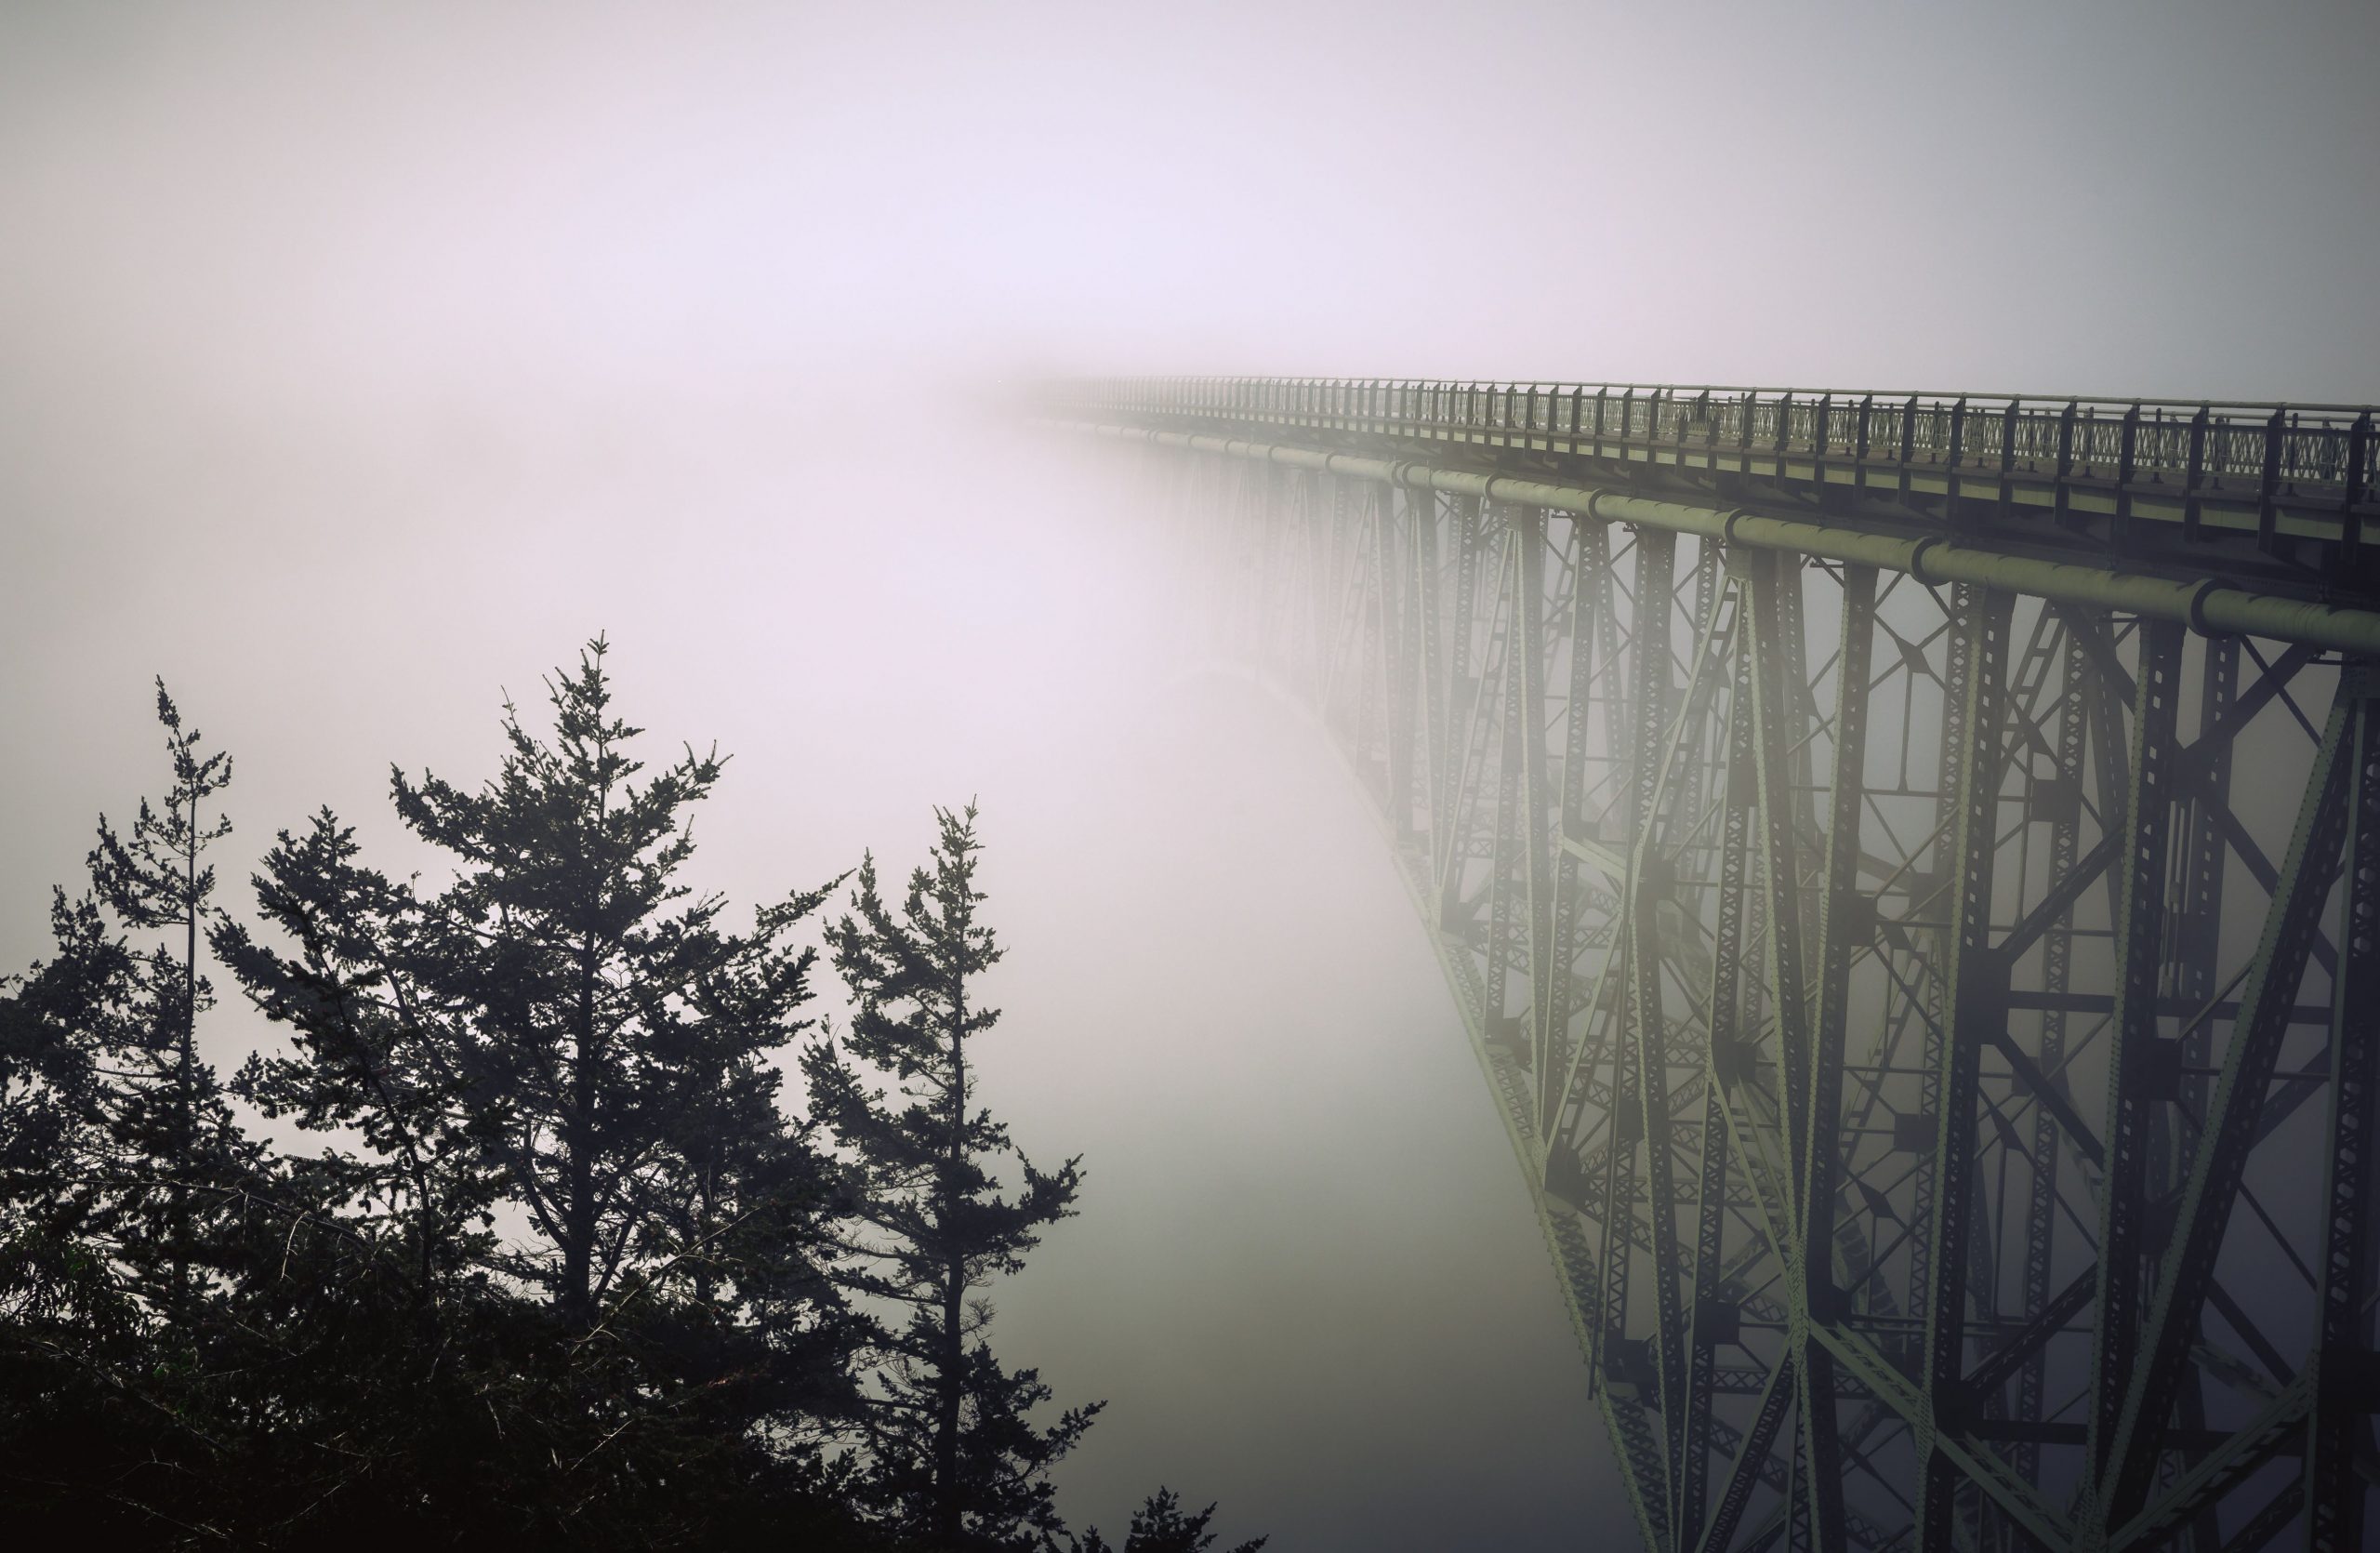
2231	488
1936	1021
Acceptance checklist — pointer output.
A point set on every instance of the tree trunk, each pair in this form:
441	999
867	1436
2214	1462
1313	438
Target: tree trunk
185	1065
954	1293
578	1212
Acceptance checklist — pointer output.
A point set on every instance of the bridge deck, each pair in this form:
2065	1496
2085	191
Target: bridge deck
2281	494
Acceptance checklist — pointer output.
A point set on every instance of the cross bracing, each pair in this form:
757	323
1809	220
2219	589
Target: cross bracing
1910	891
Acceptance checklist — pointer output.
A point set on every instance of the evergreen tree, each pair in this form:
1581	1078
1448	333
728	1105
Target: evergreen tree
566	1039
127	1191
953	1456
412	1153
398	1340
1161	1525
584	992
53	1139
553	1270
75	1353
200	1343
177	1150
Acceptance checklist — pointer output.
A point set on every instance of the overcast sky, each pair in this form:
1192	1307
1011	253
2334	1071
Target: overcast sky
358	361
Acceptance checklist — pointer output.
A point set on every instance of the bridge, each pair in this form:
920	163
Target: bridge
1908	866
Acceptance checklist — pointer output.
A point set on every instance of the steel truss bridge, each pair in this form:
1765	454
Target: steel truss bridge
1908	864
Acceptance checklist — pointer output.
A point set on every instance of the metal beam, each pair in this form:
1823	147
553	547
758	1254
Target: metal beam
2208	605
2133	1041
1667	908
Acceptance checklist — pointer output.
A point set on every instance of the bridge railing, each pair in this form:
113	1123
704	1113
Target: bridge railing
2300	451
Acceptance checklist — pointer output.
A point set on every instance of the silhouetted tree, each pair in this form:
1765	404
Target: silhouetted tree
1161	1525
53	1137
202	1342
565	1037
127	1191
576	984
953	1456
173	1138
552	1267
415	1150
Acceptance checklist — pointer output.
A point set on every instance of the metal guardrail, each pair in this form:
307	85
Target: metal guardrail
2320	455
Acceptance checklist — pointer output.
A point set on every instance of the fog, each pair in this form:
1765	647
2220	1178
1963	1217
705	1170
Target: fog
358	362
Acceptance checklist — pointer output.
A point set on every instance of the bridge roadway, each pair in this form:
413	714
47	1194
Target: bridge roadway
1908	866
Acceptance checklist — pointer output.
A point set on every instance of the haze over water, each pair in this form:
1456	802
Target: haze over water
357	362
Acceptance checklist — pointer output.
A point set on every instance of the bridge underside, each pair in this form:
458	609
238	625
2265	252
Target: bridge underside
1929	985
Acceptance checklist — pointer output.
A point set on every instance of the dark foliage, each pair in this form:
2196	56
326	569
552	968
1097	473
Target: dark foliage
1163	1526
954	1456
537	1257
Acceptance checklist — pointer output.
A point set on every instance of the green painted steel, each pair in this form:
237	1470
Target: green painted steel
2209	605
1921	940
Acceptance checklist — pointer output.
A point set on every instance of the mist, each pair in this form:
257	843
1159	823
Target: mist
358	362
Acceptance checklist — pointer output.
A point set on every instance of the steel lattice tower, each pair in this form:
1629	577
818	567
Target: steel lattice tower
1907	867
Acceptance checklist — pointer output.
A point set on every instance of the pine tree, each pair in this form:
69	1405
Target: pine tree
552	1269
1161	1525
565	1040
954	1457
54	1142
173	1138
73	1334
410	1151
128	1190
572	981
